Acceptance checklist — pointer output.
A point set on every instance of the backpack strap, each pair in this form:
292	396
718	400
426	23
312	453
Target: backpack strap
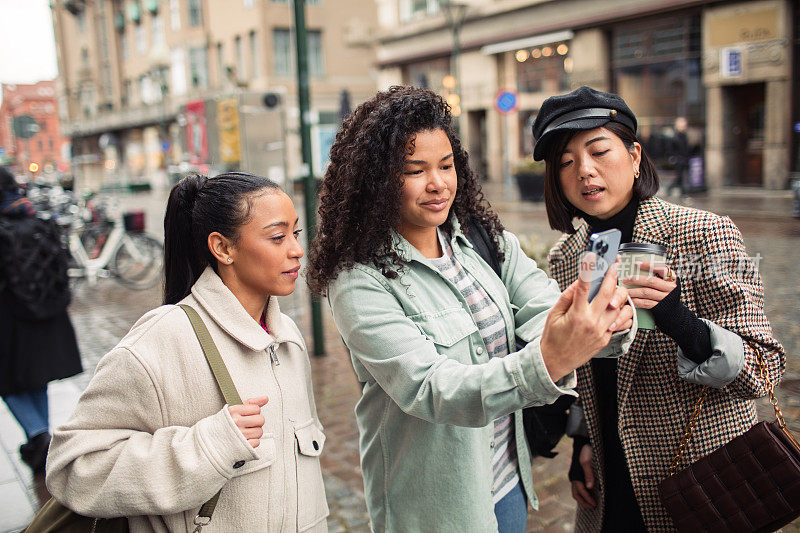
225	383
483	245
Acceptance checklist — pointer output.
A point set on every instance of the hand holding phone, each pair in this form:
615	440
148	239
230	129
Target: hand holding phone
604	246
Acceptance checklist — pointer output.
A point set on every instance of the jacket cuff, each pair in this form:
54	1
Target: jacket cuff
724	365
534	380
223	443
620	341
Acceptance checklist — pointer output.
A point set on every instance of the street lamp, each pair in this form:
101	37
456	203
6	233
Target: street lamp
455	13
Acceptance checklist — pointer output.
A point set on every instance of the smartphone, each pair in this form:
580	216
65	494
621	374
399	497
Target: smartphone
605	245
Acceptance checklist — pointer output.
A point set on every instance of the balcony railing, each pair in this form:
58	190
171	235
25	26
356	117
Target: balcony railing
131	117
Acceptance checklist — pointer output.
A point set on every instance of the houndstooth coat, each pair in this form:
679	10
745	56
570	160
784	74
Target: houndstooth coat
719	283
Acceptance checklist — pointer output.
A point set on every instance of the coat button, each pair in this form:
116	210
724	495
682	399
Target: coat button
479	350
238	464
315	444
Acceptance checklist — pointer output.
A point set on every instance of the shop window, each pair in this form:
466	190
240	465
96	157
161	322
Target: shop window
427	74
656	68
544	68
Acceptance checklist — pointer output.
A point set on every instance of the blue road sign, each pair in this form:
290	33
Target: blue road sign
506	101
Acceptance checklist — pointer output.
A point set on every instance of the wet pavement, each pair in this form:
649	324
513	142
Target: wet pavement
104	312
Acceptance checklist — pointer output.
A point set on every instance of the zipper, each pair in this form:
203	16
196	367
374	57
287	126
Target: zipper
273	356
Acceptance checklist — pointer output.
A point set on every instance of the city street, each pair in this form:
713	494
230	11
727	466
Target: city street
103	313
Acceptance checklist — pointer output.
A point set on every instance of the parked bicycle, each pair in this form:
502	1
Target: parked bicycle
103	242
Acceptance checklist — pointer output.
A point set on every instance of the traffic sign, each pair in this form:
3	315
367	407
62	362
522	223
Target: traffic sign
506	101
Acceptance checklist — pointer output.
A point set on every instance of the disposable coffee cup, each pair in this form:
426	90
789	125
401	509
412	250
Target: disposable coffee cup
632	253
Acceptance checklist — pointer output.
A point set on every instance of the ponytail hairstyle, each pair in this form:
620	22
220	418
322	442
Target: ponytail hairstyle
197	207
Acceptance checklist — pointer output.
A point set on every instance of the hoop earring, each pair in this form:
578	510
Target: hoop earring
636	174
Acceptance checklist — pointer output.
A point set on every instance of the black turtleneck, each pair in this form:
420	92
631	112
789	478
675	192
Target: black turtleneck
621	511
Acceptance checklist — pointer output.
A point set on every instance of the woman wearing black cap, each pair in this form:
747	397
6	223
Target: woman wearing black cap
709	329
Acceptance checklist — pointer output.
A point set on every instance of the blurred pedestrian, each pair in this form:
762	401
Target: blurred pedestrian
37	341
705	297
679	156
151	437
431	328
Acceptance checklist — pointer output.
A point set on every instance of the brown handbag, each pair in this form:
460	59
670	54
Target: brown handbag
752	483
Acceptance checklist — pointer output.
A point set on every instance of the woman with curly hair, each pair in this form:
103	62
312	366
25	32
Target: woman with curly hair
431	327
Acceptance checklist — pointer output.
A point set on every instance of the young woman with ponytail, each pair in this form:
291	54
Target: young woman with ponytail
151	438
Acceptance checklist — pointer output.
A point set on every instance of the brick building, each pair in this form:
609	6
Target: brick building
36	142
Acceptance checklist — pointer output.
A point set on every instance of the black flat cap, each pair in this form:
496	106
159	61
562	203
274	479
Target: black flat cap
582	109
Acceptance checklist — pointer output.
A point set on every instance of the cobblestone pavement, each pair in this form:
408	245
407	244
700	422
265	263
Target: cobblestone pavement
104	312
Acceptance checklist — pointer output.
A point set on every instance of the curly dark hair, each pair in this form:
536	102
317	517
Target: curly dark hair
360	198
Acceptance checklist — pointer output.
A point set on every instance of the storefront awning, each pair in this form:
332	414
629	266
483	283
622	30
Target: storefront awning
527	42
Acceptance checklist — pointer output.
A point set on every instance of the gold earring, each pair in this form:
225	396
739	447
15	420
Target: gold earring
636	174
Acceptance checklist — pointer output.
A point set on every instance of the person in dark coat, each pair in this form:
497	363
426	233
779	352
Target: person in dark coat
679	155
37	340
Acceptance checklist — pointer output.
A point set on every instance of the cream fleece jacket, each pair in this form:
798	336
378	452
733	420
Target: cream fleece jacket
151	438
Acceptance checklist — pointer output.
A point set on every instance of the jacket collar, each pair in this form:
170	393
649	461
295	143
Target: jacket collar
651	226
223	307
652	222
407	252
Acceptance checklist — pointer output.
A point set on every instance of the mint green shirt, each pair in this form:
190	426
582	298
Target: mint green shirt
431	393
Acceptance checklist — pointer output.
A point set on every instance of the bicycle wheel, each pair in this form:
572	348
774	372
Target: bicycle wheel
137	263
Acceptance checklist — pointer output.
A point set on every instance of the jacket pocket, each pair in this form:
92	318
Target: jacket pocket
312	506
266	450
445	327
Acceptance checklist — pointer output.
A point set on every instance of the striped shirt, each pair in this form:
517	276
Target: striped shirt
492	328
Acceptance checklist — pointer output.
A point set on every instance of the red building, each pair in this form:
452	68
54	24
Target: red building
30	130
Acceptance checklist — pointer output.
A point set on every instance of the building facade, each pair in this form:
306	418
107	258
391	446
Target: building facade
147	86
30	132
729	67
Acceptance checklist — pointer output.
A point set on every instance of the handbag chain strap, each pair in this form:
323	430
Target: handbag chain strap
687	435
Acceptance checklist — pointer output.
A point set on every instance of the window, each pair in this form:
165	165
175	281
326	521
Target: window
141	39
254	62
178	60
195	13
157	27
175	14
282	46
543	68
656	67
412	9
283	53
108	88
220	62
198	67
123	45
316	65
237	46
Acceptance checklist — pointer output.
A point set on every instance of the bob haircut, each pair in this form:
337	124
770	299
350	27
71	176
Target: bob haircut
560	212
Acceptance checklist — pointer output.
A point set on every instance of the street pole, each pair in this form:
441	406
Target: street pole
310	183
